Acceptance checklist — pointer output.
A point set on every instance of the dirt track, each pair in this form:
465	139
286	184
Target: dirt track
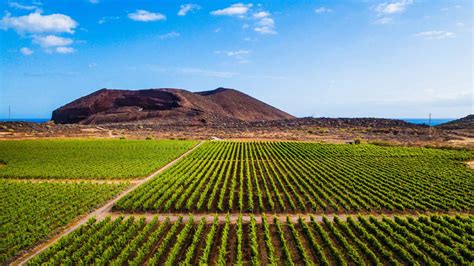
99	213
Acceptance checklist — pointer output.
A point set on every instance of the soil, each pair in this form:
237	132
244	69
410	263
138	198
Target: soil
470	164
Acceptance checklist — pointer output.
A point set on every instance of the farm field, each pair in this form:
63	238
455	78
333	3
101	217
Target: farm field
87	159
295	177
31	211
426	240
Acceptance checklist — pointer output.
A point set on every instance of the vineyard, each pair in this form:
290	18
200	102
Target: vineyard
31	212
87	159
430	240
235	187
292	177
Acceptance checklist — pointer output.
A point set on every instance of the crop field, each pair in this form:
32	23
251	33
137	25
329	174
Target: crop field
292	177
426	240
31	211
87	159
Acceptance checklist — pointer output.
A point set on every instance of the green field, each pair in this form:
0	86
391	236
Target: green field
306	177
88	159
428	240
240	181
31	211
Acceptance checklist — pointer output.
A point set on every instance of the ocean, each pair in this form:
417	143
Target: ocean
36	120
434	121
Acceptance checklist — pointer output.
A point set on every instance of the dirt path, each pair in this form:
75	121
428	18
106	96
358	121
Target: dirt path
99	213
470	164
281	217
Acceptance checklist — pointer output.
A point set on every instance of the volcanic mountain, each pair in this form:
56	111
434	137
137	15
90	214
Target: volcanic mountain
166	106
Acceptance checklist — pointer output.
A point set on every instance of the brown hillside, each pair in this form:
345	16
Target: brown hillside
241	106
166	106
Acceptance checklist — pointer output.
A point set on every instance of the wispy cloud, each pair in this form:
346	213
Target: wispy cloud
322	9
104	20
146	16
266	26
169	35
435	35
238	9
94	2
263	23
261	14
23	7
51	41
386	11
26	51
393	7
240	55
37	23
184	9
384	20
65	50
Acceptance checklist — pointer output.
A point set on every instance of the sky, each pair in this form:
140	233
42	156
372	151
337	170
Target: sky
352	58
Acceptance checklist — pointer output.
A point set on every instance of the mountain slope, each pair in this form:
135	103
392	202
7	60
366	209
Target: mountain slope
239	105
461	123
166	106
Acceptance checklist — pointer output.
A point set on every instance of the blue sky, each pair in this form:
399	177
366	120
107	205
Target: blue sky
389	58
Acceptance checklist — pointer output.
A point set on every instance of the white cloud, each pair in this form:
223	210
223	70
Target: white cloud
26	51
94	2
65	50
207	73
435	35
322	9
169	35
146	16
261	14
393	7
20	6
265	26
460	24
51	41
37	23
238	9
184	9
